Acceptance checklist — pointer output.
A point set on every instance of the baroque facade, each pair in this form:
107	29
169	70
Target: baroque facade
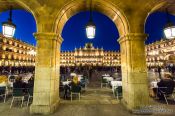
90	56
160	53
16	53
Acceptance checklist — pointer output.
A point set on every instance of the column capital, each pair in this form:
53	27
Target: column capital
132	37
48	36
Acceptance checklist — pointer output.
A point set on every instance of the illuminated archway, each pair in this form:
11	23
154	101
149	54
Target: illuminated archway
104	7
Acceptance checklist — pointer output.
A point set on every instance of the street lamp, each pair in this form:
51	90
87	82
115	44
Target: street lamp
169	29
8	28
90	26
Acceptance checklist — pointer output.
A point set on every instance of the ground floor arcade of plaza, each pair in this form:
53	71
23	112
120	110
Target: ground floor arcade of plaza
129	17
94	101
47	71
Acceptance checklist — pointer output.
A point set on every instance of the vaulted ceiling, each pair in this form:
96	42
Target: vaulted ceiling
60	11
5	4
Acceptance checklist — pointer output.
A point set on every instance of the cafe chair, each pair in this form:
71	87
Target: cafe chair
114	90
104	82
118	92
75	90
167	92
83	83
30	95
3	92
17	94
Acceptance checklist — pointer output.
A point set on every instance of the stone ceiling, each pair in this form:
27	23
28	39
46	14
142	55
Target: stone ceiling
53	9
5	4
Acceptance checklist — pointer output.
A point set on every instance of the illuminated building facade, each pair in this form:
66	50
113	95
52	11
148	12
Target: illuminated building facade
16	53
90	56
160	53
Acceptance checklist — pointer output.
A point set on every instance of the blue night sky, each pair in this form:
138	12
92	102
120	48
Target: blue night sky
74	31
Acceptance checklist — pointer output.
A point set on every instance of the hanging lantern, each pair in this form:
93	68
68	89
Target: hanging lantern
90	27
90	30
169	29
8	28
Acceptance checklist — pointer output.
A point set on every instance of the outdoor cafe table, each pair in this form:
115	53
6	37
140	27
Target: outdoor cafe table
105	75
115	84
108	79
26	77
73	74
154	84
66	82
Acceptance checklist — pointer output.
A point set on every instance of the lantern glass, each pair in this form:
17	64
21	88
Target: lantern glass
8	29
90	31
169	31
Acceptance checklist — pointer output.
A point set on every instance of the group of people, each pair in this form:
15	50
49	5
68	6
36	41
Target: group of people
16	83
68	87
23	85
164	86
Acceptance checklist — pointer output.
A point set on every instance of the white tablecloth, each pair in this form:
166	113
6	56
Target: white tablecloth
108	79
10	84
26	77
66	82
106	75
116	83
154	84
73	74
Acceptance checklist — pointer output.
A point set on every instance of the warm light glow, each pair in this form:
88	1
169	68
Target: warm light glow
32	52
8	29
90	31
169	32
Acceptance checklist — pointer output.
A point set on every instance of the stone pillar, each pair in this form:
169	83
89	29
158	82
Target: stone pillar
46	83
134	71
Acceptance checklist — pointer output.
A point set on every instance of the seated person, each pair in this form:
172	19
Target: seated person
165	85
18	84
67	88
75	80
75	85
30	83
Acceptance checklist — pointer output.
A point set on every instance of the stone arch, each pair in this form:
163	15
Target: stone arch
167	56
16	4
161	7
102	6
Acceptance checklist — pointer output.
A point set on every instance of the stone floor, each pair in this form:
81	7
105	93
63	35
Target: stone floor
71	110
95	101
